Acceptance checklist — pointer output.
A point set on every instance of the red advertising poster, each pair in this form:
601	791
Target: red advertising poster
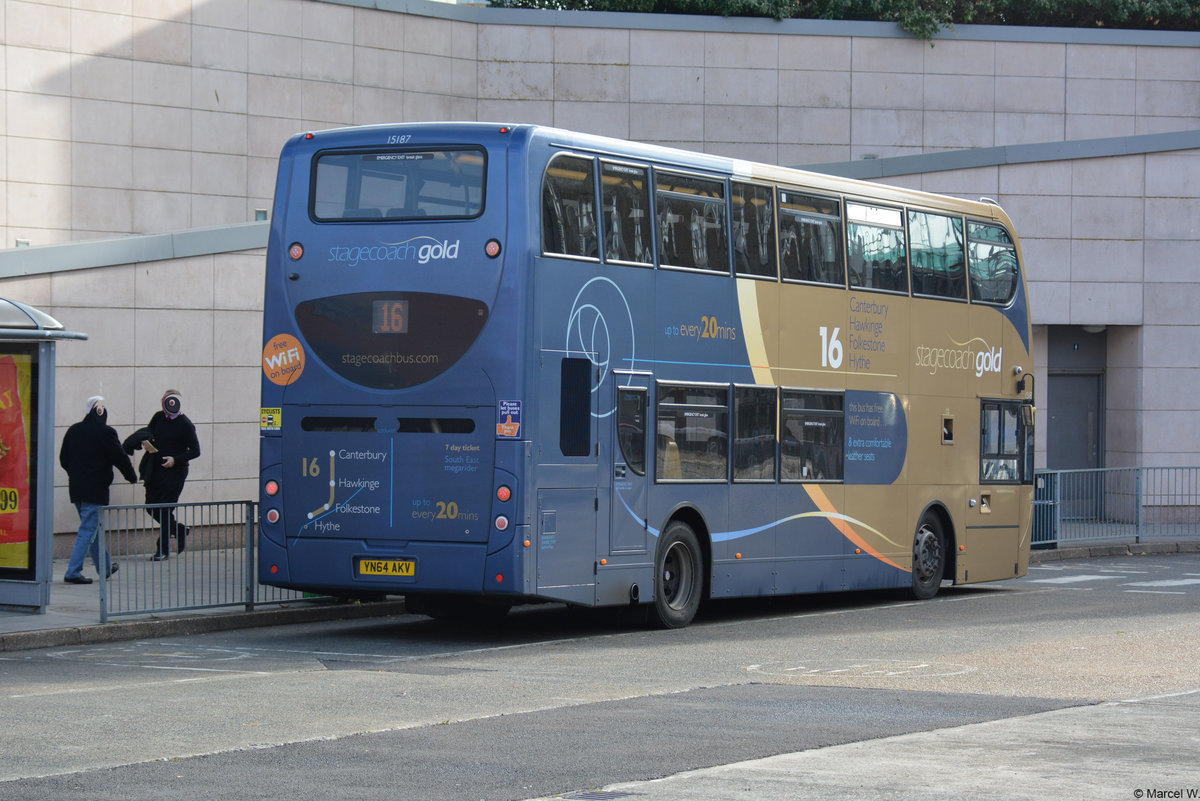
15	374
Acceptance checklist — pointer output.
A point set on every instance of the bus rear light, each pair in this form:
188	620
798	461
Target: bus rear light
272	487
499	578
272	515
501	523
274	568
295	251
492	248
504	494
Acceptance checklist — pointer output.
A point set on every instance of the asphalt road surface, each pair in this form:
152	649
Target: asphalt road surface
554	701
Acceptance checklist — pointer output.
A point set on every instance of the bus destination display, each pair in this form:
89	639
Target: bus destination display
389	316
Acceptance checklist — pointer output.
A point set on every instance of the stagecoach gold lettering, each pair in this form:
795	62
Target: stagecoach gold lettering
985	359
427	251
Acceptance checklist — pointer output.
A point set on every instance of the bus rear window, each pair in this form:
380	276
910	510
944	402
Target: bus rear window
398	185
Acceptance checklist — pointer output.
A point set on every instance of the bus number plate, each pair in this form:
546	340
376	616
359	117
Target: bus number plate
387	567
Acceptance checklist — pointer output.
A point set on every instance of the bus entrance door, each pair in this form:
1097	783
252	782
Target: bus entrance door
627	532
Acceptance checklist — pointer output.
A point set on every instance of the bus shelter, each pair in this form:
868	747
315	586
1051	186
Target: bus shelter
27	339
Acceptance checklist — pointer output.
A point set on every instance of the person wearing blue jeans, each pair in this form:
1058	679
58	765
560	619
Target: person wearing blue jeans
85	542
90	450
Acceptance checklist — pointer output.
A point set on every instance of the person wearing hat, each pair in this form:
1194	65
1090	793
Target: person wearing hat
170	443
90	450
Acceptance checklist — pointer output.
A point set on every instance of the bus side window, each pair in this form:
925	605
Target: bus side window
626	215
812	429
875	249
693	433
631	428
810	239
569	208
938	262
753	230
754	433
691	222
993	264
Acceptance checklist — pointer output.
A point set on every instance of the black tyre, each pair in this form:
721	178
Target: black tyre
929	558
678	577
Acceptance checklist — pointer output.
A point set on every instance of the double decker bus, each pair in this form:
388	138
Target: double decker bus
512	363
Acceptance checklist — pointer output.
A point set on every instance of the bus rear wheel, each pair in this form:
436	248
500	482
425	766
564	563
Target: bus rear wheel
929	558
678	577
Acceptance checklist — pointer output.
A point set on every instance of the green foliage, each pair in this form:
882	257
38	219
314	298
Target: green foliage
922	18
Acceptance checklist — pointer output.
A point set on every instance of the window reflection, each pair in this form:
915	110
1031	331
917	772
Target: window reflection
753	230
625	194
569	208
811	434
993	263
936	242
875	248
810	238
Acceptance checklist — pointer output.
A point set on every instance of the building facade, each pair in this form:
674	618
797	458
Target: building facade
140	138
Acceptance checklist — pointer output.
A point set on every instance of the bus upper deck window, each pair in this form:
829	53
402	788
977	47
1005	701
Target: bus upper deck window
398	185
810	238
753	230
875	251
626	220
938	261
992	263
691	222
569	208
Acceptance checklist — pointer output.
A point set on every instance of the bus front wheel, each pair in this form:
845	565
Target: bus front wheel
929	558
678	577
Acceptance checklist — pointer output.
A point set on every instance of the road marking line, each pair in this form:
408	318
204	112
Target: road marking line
1074	579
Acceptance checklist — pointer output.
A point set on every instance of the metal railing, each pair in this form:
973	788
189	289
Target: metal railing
1128	504
217	568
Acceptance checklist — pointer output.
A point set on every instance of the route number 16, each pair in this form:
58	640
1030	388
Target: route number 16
831	348
309	467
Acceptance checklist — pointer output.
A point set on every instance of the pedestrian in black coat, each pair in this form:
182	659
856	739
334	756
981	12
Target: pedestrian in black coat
170	444
90	450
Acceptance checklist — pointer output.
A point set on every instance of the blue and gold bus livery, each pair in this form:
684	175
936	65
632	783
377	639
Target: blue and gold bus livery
515	363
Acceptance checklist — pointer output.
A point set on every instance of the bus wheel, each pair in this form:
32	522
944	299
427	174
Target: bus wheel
678	577
929	558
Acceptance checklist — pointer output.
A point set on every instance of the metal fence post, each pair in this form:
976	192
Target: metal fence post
1141	505
251	582
102	547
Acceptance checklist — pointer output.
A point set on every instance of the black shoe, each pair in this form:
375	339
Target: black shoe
115	567
158	557
77	580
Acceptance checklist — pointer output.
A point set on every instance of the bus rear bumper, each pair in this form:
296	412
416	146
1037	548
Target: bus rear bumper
346	567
